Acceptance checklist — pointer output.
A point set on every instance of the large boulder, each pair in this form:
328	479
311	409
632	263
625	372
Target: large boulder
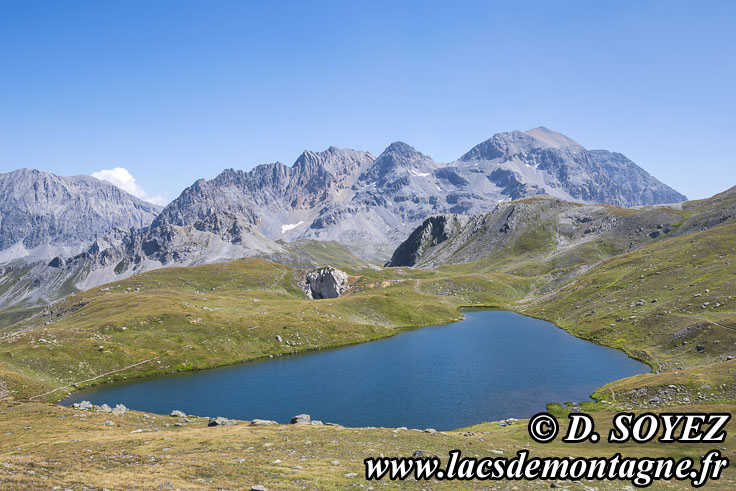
220	421
301	419
119	410
262	422
326	283
83	406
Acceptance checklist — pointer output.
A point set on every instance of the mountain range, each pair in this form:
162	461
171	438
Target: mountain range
371	203
79	232
43	215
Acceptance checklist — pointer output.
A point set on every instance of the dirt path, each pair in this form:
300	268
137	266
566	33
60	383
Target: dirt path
75	384
703	319
102	375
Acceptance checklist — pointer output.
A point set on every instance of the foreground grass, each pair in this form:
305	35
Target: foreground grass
45	445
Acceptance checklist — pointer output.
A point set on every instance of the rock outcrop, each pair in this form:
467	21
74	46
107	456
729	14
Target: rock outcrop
220	421
326	283
433	231
301	419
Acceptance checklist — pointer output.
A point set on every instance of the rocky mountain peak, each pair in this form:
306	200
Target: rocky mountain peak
308	159
545	136
401	148
227	176
397	156
43	215
520	143
336	161
536	161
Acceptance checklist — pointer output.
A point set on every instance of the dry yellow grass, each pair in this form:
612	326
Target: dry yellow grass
45	445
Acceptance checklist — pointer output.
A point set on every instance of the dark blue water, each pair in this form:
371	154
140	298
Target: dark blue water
492	365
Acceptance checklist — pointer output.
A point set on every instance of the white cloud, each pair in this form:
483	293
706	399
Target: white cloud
123	179
120	177
157	200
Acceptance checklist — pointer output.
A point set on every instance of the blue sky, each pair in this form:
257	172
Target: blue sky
177	90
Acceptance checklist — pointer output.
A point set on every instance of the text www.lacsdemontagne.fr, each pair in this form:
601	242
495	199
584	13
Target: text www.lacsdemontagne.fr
641	472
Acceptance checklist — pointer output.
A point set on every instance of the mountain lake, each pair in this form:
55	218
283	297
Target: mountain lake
491	366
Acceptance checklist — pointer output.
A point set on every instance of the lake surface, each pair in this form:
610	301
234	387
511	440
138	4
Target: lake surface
492	365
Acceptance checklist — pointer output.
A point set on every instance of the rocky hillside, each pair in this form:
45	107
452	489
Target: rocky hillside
370	204
28	287
43	215
531	227
550	230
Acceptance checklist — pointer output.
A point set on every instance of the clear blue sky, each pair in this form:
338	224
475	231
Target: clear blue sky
178	90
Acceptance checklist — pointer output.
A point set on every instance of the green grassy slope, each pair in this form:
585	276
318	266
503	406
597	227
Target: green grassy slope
314	253
191	318
671	304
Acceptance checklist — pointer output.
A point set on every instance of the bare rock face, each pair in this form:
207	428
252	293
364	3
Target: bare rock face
370	204
43	215
431	233
325	283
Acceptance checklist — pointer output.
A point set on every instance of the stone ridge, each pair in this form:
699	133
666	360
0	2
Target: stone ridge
542	230
43	215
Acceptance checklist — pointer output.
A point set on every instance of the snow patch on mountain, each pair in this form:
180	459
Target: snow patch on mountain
290	226
415	172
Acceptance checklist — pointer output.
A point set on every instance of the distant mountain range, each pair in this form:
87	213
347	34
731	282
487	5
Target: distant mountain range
43	215
370	204
79	232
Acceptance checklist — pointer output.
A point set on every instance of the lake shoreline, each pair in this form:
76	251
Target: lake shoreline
510	324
